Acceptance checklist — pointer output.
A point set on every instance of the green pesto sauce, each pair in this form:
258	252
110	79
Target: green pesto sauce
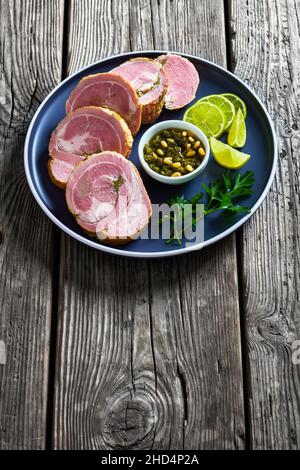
174	152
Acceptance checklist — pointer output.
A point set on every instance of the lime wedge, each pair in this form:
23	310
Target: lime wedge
237	132
237	102
227	156
224	104
208	117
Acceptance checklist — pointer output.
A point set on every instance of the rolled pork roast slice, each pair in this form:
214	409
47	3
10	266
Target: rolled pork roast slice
106	195
109	90
183	80
82	133
149	81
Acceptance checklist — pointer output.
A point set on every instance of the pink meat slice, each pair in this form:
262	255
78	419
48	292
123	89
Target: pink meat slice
59	171
142	73
183	80
153	101
107	196
82	133
149	81
109	90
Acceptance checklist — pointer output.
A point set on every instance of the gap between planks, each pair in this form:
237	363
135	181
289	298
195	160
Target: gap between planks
239	251
56	267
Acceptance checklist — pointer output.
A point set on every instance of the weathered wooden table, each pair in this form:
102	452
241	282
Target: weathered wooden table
185	353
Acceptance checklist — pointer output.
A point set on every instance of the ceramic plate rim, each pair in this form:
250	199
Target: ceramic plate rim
155	254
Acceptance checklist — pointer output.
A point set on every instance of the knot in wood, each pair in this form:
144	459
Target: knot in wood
274	328
287	131
128	423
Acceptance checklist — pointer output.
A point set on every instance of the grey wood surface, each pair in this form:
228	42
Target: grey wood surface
30	66
144	361
265	53
185	353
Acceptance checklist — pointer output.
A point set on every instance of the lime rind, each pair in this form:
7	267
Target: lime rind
225	105
227	156
237	102
237	132
208	117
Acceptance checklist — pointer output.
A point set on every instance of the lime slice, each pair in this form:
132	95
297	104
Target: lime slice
225	105
237	132
227	156
237	102
208	117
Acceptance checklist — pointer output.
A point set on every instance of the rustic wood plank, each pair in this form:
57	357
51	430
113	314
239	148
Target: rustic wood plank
148	357
30	58
265	38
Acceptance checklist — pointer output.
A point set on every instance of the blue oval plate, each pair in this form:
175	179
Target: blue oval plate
261	145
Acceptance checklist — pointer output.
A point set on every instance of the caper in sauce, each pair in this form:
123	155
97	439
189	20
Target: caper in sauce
174	147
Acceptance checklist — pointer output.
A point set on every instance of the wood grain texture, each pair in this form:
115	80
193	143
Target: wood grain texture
148	352
265	40
30	66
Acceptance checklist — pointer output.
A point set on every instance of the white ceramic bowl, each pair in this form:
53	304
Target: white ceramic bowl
173	124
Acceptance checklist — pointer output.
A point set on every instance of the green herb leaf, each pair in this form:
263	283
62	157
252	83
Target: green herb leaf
224	192
223	195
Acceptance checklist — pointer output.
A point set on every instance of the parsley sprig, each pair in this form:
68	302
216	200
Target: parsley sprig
223	195
183	205
224	192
